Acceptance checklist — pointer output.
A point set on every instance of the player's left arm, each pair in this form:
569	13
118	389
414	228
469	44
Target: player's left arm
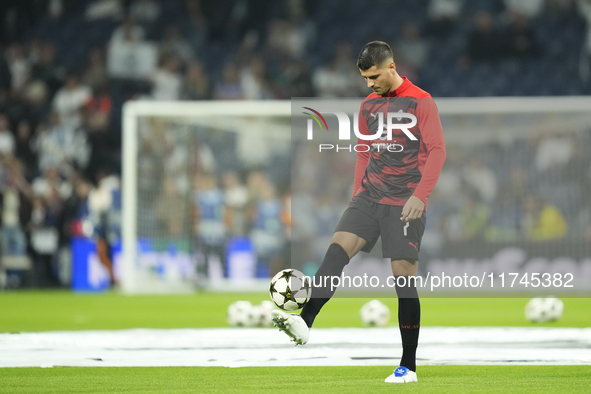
432	136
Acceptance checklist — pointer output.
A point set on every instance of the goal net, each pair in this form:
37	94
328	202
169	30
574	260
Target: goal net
210	189
202	189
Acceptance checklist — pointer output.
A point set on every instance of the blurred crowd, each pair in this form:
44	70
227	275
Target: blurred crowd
198	169
533	189
536	189
67	67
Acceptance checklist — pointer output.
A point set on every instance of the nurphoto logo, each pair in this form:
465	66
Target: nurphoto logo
382	133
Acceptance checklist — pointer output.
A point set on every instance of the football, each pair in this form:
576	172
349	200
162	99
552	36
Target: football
290	289
265	309
543	309
260	315
239	314
375	314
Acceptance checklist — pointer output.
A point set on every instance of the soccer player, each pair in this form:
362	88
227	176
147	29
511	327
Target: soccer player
393	180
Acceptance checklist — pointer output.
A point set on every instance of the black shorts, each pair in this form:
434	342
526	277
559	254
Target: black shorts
370	220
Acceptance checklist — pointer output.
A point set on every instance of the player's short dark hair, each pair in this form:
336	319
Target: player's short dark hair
373	54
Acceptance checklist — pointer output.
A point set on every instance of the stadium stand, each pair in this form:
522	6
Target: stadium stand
67	67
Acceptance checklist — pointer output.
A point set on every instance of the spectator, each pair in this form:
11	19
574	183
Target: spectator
485	43
267	233
254	82
210	226
69	99
553	151
542	221
98	109
45	239
59	145
289	38
14	210
104	203
175	45
340	77
412	46
44	185
100	198
229	88
195	24
36	100
293	80
5	76
95	71
129	55
146	12
516	185
481	178
20	68
49	69
236	198
529	9
346	66
33	49
104	9
76	211
475	215
24	149
450	179
171	210
6	137
255	182
166	81
196	85
522	43
129	30
443	15
328	82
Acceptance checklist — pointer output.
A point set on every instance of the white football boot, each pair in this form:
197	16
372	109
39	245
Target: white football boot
293	325
402	375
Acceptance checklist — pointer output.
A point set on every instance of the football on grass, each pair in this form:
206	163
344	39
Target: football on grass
290	289
239	314
375	314
260	315
543	309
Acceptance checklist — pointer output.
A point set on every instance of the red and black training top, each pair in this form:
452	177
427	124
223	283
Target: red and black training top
391	175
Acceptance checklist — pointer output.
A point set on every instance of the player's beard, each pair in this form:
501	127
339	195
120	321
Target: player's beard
383	91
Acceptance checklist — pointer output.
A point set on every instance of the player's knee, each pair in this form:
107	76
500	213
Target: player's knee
350	242
406	267
337	255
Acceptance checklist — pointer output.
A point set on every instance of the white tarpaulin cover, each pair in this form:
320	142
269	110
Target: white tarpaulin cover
235	347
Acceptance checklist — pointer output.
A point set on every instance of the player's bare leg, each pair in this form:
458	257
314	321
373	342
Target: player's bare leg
350	242
409	316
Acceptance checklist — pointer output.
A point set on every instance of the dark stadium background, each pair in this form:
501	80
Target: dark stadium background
63	82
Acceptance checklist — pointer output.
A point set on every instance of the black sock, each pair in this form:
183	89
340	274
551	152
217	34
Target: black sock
334	262
409	318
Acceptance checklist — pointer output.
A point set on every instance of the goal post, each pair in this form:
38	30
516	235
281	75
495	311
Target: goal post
182	112
493	144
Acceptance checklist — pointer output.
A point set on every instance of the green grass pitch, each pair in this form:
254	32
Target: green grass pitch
432	379
49	311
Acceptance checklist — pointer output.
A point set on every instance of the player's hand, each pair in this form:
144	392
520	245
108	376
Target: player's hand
413	209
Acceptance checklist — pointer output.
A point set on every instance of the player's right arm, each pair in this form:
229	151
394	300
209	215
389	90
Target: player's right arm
362	157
